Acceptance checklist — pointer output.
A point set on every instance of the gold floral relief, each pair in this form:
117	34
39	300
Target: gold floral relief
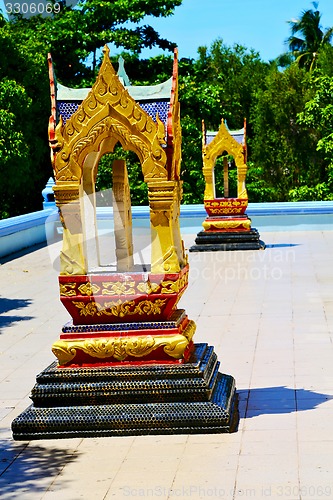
107	111
90	309
226	211
170	286
231	224
149	307
147	287
88	289
68	289
119	288
120	309
121	348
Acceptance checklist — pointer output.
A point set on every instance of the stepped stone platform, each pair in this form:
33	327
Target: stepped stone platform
131	400
212	241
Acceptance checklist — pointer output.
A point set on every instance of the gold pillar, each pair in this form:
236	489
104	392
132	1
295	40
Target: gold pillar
225	177
163	196
241	176
122	216
72	255
208	172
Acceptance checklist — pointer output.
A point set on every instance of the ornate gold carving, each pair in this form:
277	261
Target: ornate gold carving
119	288
121	309
170	287
108	110
71	289
88	289
166	245
227	206
190	330
106	116
68	289
226	211
230	224
173	125
160	130
121	348
147	287
89	309
226	202
66	193
174	286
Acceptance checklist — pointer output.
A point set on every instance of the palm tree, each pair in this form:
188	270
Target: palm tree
308	38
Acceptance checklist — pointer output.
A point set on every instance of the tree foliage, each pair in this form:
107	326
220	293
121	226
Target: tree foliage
75	35
308	37
318	117
282	147
221	83
287	107
24	110
71	36
139	189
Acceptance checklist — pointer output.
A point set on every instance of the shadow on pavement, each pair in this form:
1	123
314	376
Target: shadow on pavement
282	245
278	400
7	305
30	468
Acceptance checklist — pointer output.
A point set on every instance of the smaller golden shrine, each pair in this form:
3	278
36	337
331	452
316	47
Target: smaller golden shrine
227	226
125	362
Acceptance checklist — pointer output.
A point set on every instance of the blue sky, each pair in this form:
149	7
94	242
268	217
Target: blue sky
258	24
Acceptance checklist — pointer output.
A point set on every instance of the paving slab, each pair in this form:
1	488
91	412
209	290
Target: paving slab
269	315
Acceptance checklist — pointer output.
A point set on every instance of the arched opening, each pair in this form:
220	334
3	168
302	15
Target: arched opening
139	189
111	245
109	115
225	175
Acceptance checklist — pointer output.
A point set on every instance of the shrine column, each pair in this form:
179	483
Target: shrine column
208	172
177	237
72	256
241	176
122	214
165	253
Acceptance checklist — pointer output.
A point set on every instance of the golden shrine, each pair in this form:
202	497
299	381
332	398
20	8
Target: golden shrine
126	361
227	226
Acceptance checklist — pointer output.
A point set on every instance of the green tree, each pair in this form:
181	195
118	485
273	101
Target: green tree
24	111
150	71
221	83
308	37
318	117
71	36
75	36
138	187
283	149
324	62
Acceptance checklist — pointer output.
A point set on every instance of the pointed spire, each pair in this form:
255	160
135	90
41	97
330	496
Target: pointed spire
106	50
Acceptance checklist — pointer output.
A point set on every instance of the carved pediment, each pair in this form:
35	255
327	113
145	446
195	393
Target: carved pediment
108	110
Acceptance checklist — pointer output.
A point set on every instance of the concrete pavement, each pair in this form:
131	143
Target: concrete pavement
269	315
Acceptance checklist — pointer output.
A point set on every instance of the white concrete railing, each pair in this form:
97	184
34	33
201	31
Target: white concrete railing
24	231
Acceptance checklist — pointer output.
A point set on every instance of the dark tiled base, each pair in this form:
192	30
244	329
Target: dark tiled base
211	241
127	401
